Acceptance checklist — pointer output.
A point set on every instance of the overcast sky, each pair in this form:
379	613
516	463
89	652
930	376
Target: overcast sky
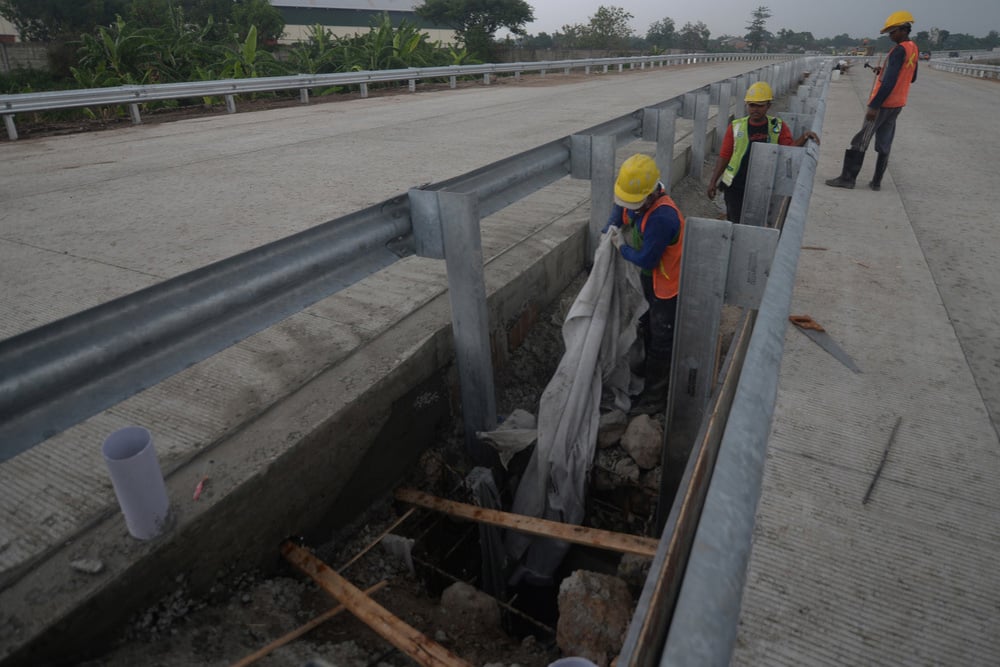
823	18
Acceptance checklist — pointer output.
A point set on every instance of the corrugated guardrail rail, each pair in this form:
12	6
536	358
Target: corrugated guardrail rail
133	96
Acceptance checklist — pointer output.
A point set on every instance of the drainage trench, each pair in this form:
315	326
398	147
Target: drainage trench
427	571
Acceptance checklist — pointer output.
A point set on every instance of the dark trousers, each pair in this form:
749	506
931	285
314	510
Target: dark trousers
734	204
658	323
883	128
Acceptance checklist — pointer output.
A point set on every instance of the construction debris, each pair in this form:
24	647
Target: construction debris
594	613
881	464
88	565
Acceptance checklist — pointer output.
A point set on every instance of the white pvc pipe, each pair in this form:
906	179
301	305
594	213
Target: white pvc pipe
138	481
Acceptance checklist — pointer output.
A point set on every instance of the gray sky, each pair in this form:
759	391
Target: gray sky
823	18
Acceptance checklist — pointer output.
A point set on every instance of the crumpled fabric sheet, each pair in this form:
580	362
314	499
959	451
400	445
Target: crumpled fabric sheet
517	432
599	331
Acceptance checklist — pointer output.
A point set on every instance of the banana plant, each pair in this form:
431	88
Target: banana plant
319	54
246	60
118	55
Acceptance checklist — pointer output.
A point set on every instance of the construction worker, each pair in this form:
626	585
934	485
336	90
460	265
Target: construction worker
734	155
888	97
652	238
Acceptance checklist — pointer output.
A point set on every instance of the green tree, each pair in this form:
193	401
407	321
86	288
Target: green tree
662	34
542	40
573	36
842	41
476	21
694	36
609	28
59	20
756	30
789	40
261	15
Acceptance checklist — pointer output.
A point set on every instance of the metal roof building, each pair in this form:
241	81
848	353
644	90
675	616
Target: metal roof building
348	17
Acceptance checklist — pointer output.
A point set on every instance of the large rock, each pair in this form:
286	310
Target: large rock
611	428
643	440
467	607
594	611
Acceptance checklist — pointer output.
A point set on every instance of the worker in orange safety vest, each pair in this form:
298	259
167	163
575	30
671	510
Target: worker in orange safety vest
652	238
888	97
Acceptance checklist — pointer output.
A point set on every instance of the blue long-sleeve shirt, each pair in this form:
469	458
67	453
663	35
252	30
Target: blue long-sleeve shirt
662	230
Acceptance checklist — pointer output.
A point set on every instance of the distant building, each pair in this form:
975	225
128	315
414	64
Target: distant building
734	44
344	18
8	33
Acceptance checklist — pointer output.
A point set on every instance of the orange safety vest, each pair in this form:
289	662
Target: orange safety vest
897	98
667	274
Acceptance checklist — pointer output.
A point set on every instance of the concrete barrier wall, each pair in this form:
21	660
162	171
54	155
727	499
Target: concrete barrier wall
23	55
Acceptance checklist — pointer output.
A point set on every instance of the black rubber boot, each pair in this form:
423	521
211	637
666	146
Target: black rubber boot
654	397
880	164
849	174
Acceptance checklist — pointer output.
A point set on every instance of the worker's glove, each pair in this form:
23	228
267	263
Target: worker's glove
616	237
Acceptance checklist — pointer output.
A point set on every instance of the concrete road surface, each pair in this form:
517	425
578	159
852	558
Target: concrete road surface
950	186
90	217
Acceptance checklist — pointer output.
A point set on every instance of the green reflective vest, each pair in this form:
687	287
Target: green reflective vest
741	143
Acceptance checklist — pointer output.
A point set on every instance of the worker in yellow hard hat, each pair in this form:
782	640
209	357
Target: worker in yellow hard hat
734	155
888	97
652	237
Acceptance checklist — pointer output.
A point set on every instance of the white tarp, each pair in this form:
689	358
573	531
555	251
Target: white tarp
599	332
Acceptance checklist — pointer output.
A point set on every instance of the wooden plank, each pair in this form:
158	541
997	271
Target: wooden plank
394	526
422	649
592	537
298	632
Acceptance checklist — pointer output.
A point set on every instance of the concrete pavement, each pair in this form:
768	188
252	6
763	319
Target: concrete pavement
904	279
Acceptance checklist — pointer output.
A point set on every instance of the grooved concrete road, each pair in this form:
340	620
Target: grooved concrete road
90	217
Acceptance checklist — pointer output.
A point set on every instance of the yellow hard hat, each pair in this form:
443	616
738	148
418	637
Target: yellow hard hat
637	180
759	92
895	20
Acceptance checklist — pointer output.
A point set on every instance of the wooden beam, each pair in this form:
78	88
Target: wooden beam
421	648
299	631
593	537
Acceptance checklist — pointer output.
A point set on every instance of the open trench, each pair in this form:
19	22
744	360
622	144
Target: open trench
427	570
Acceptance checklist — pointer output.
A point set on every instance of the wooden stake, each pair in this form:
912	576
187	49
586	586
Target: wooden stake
298	632
604	539
411	641
378	539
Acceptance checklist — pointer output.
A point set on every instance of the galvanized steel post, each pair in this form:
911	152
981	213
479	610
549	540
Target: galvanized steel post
602	184
463	254
698	136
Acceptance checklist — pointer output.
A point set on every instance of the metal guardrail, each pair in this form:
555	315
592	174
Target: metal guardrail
133	96
968	67
705	620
